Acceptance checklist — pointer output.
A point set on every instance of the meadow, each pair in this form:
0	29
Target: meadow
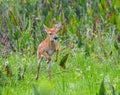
90	35
82	76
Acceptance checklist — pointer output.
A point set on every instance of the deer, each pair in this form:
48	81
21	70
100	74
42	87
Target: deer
48	47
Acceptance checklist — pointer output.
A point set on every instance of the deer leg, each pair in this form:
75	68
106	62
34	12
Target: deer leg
48	57
48	69
48	63
56	56
38	67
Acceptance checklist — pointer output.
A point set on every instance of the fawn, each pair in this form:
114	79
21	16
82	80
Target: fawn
47	47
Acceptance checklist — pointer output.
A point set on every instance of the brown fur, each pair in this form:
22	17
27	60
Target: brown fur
48	47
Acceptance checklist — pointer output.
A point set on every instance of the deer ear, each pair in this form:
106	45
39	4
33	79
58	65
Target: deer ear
58	26
46	28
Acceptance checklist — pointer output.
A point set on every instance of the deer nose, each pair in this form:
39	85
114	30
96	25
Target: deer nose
55	37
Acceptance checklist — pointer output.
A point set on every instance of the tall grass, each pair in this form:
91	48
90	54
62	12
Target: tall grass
89	33
82	76
23	20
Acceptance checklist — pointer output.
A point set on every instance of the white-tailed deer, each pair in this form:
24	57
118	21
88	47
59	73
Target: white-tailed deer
48	47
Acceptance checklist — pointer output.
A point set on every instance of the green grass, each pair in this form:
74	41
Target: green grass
83	76
93	26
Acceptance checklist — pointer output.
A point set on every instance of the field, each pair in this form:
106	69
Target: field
83	76
89	35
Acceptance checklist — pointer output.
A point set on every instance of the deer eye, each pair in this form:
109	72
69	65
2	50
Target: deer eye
50	33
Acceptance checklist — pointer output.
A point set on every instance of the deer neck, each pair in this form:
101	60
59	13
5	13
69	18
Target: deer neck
50	43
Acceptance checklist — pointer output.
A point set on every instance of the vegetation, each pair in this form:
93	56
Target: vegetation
89	47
